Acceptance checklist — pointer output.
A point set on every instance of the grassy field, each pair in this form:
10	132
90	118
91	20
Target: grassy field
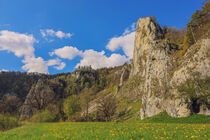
165	118
109	131
158	127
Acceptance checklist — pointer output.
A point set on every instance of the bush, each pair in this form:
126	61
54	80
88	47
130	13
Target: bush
7	122
72	106
44	116
196	88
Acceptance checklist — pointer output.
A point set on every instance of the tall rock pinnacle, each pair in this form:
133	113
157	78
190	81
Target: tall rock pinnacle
153	65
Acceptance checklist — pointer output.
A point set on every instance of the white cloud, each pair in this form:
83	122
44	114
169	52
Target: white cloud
19	44
52	33
33	64
3	70
53	62
22	46
60	34
100	60
61	66
89	57
67	52
56	63
125	41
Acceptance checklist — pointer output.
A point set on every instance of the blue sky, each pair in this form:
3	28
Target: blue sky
54	36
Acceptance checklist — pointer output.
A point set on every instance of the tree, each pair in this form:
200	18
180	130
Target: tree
85	102
198	26
106	108
41	98
82	81
10	104
102	82
174	35
71	106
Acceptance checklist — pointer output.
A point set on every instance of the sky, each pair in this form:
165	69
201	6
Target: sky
56	36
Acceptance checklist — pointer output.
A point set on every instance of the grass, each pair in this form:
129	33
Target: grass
157	127
109	131
165	118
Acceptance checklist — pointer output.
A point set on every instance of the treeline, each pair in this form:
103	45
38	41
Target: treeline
199	25
18	83
197	28
68	96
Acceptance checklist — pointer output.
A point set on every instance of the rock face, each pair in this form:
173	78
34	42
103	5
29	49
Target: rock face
41	94
153	64
124	74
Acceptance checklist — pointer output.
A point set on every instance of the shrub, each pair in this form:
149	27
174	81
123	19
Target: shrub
44	116
7	122
72	106
197	90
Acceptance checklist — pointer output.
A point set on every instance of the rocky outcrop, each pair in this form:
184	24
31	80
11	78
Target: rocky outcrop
41	94
153	64
124	74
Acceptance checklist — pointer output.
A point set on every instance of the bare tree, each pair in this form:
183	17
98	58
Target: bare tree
41	99
106	107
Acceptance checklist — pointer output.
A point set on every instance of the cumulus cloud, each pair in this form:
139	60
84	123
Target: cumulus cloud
3	70
33	64
130	29
67	52
19	44
56	63
90	57
22	46
125	42
100	60
53	62
50	32
60	66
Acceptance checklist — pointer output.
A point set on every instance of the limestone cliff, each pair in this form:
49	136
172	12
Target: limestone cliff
42	94
154	63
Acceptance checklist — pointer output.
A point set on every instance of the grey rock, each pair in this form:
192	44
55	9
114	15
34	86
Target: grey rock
152	63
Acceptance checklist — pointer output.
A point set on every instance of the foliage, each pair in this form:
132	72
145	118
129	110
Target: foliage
14	86
174	35
44	116
198	27
72	106
10	104
18	83
85	103
7	122
197	88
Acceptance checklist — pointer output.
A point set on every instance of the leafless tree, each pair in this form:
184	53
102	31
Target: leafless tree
106	107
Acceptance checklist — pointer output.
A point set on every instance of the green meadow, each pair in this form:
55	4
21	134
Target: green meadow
194	127
108	131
